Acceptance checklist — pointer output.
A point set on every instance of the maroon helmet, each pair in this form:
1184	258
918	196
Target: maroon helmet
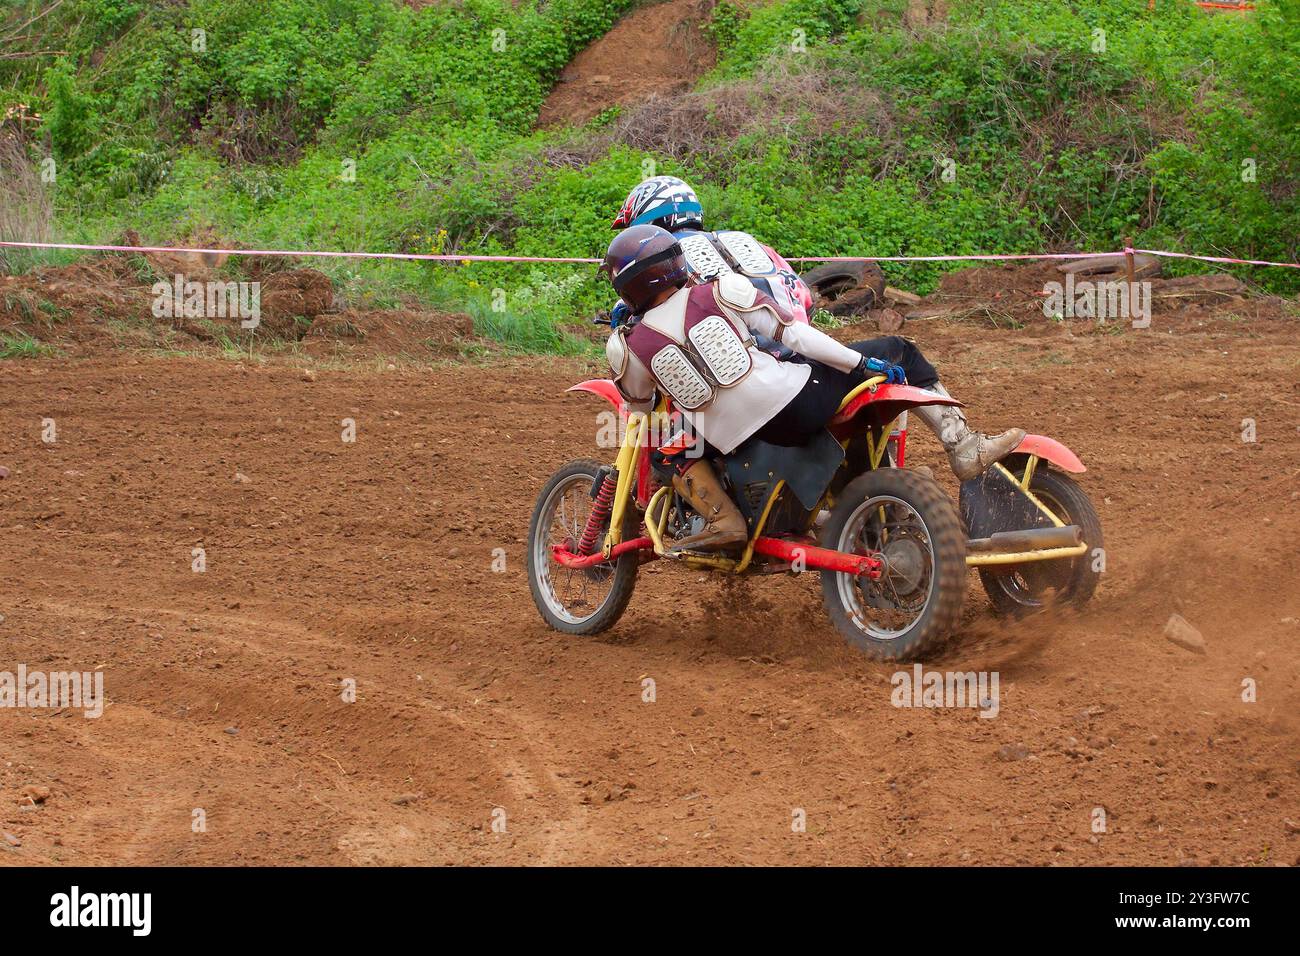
642	262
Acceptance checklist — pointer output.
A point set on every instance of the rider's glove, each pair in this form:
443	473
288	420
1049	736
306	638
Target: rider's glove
894	374
619	314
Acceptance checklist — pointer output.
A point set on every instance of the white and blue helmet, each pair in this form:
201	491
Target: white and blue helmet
663	201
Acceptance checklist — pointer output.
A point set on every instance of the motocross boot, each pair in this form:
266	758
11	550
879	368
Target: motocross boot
969	452
724	526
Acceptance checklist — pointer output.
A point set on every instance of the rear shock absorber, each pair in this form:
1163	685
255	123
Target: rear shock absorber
600	511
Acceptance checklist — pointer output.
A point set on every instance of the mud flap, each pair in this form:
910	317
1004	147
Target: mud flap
993	503
756	466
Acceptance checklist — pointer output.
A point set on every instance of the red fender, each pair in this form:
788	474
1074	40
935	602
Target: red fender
1052	450
605	389
888	402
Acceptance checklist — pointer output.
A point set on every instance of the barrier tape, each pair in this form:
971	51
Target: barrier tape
1240	262
299	253
447	257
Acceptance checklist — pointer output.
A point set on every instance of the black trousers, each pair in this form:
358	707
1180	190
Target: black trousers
819	399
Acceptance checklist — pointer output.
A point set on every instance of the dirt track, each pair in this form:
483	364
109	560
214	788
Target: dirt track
373	561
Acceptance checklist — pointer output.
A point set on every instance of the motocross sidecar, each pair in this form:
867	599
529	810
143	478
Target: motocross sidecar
890	545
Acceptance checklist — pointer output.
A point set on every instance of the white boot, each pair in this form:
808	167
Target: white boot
969	452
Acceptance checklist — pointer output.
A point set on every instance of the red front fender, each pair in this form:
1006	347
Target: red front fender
605	389
1051	450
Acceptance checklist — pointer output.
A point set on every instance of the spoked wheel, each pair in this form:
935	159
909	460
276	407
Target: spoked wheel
576	601
1021	589
908	521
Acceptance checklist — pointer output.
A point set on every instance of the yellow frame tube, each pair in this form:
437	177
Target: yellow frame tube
1020	557
758	528
1028	494
625	468
868	384
1030	465
878	454
654	525
737	566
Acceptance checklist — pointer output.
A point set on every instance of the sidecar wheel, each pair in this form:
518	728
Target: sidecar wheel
585	601
1022	589
909	520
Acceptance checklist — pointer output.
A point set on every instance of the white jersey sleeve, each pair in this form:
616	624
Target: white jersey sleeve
802	337
813	343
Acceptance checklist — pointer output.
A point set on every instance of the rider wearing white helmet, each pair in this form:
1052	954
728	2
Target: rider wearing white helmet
671	204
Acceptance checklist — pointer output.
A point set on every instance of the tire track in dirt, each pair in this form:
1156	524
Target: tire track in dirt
444	712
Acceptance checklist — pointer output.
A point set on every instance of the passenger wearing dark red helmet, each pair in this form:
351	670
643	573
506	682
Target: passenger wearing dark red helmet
696	344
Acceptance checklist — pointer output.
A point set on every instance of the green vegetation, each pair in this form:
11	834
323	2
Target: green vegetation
21	345
827	127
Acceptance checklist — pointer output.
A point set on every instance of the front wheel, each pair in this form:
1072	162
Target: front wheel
576	601
907	521
1017	590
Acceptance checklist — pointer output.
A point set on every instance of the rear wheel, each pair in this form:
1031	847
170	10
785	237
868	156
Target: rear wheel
1020	589
913	526
576	601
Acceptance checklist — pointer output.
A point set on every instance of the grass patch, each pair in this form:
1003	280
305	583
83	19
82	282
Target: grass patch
526	331
1013	126
20	345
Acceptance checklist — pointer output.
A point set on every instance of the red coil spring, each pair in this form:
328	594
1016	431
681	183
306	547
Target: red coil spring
599	512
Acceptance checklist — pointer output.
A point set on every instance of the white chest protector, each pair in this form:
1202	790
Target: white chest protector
693	355
712	254
680	378
691	368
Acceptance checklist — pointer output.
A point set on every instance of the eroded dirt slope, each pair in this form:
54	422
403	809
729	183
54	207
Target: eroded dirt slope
660	49
373	561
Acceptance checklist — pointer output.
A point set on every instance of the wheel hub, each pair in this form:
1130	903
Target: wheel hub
904	564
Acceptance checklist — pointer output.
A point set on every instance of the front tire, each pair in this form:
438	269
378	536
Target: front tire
914	526
585	601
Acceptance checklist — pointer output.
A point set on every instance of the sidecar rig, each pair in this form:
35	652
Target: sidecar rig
891	547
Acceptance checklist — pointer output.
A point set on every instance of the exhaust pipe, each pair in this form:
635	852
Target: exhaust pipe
1031	539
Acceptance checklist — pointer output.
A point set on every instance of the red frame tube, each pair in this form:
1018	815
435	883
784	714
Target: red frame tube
570	560
821	559
900	447
818	559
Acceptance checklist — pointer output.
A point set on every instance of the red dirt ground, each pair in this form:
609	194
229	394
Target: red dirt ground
373	561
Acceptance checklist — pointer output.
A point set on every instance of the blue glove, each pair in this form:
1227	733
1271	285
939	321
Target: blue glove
619	314
894	374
